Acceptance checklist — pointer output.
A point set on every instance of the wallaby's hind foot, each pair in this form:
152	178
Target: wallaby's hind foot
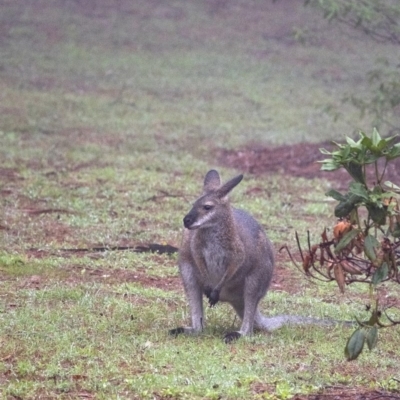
232	337
177	331
187	330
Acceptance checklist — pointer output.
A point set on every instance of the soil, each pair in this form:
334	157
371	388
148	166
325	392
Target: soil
296	160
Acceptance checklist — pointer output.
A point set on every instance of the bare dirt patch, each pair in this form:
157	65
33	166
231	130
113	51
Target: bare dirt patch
295	160
284	278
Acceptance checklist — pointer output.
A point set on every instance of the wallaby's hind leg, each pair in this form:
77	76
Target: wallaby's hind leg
194	293
247	307
246	311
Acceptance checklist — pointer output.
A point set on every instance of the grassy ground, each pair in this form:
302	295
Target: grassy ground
109	118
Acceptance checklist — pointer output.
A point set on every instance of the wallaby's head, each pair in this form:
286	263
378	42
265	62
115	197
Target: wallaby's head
212	207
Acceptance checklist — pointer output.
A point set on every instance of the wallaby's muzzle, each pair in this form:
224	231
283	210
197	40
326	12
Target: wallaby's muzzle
188	221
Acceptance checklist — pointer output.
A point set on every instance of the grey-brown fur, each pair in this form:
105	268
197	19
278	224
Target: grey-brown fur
225	255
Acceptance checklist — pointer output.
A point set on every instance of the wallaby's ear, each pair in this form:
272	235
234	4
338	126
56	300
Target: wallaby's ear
228	186
212	181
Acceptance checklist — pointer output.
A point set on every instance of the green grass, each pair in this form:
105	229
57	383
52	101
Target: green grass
87	339
110	117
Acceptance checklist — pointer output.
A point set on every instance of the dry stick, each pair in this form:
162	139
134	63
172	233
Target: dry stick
152	247
299	247
308	275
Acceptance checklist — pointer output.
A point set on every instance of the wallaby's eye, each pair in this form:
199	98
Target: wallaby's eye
207	207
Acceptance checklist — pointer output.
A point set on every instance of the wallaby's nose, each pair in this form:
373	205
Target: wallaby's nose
187	221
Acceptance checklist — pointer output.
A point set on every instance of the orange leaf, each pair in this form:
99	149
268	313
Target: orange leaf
341	228
339	276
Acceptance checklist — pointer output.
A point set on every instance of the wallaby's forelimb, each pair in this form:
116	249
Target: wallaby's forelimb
212	295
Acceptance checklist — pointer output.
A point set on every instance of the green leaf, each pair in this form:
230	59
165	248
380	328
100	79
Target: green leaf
389	141
392	186
324	151
376	137
346	239
367	142
345	152
355	344
336	195
394	152
377	214
347	205
355	171
371	158
372	337
385	143
353	144
343	209
359	190
380	274
370	244
329	165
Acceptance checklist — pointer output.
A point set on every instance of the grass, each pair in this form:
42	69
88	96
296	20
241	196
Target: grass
110	116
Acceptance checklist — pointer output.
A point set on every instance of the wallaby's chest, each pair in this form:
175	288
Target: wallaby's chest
213	256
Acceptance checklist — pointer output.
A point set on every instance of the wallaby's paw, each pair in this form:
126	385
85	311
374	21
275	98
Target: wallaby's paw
177	331
212	295
207	291
231	337
213	298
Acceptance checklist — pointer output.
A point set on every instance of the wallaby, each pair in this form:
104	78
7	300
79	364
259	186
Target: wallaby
226	256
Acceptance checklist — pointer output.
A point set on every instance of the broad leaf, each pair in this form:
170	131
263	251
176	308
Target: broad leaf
392	186
346	206
385	143
367	142
371	158
380	274
339	276
353	144
324	151
376	137
370	244
355	171
372	337
394	152
347	238
336	195
343	209
377	214
359	190
355	344
329	165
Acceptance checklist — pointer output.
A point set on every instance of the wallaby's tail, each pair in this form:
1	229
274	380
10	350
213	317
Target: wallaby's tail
272	323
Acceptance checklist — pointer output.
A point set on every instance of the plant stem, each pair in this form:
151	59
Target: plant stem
384	171
378	181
